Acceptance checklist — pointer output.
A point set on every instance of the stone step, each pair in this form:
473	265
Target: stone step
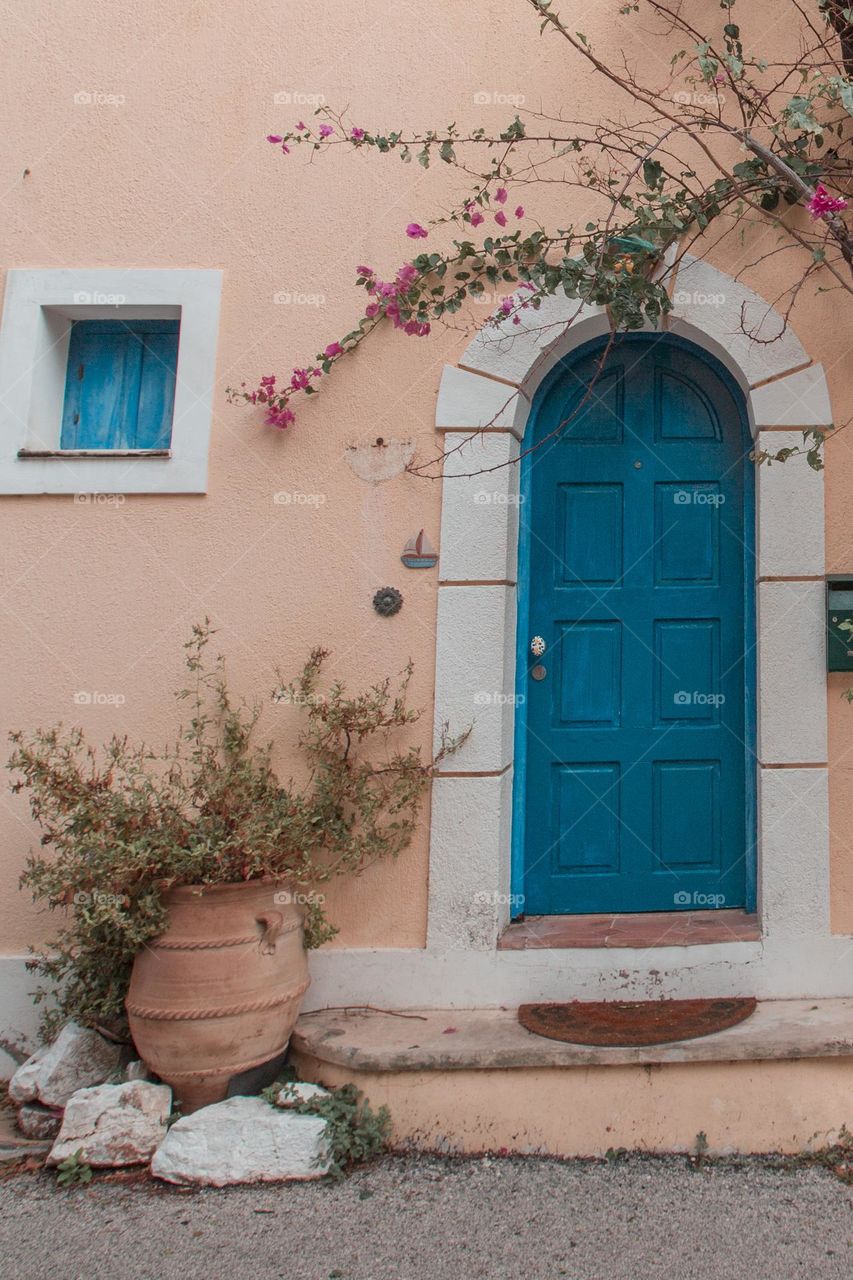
484	1039
474	1080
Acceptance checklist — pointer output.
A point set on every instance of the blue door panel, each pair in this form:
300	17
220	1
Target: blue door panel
686	659
687	533
682	409
587	818
590	420
636	746
686	803
589	533
590	673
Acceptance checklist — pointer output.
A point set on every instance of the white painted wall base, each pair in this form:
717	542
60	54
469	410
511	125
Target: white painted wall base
783	969
19	1017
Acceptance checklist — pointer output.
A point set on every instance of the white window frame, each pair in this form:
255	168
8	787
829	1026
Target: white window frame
39	308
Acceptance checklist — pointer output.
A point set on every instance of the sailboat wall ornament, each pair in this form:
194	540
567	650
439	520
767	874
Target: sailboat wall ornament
419	553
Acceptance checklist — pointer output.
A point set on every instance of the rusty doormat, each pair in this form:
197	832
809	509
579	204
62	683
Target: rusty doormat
633	1022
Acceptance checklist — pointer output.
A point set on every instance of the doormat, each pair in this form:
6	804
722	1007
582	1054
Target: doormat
633	1022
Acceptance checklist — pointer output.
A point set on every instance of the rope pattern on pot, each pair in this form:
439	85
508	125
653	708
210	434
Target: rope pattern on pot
215	944
219	1011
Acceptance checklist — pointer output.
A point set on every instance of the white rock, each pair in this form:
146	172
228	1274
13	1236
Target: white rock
242	1140
36	1121
78	1057
23	1087
114	1124
136	1070
300	1091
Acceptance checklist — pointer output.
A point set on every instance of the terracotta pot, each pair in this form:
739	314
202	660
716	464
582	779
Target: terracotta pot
219	992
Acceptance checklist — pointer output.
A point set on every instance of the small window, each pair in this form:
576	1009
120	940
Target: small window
120	385
107	379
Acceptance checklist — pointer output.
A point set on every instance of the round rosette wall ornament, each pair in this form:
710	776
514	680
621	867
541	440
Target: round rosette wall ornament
387	601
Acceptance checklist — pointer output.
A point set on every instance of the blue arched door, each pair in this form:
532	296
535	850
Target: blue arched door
636	570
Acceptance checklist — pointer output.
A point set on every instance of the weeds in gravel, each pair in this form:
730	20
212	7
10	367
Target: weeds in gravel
354	1131
73	1171
837	1158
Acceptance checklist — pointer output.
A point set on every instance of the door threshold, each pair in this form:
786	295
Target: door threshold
643	929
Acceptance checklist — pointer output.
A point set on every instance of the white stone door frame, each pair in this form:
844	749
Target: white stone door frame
482	409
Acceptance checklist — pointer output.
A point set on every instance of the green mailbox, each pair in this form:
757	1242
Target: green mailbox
839	623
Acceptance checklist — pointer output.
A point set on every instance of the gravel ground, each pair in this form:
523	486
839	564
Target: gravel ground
430	1219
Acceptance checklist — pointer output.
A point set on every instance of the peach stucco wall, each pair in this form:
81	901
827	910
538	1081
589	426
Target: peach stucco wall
741	1107
176	172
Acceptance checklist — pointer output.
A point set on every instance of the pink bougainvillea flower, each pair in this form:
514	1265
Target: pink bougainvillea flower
326	130
416	232
274	137
332	350
476	218
407	275
527	284
299	380
519	212
285	148
500	218
280	418
301	126
500	195
357	134
371	310
364	271
823	205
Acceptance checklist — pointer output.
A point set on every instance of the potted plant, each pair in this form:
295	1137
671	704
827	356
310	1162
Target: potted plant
190	875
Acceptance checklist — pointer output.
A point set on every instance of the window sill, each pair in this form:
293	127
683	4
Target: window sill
42	455
646	929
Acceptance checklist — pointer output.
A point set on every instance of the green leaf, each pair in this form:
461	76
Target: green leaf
844	89
799	114
652	173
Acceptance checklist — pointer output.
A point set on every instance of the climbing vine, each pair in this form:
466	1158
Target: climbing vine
732	134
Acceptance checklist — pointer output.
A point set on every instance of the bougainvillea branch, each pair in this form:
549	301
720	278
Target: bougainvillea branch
729	135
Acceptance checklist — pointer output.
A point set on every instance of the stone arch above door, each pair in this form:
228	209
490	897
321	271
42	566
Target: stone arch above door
482	409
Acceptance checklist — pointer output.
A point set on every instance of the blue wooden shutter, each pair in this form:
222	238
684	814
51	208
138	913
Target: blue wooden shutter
120	384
